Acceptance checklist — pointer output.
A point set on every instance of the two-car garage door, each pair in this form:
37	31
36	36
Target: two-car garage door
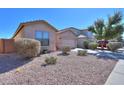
70	43
67	38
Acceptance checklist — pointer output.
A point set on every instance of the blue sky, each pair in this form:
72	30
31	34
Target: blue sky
60	18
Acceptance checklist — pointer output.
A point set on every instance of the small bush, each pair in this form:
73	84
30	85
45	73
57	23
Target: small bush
51	60
82	52
113	46
92	45
86	43
45	51
28	48
65	50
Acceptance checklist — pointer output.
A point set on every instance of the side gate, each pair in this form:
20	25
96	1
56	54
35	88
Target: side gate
7	46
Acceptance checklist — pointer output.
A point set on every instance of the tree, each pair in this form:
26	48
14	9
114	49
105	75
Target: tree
120	38
110	30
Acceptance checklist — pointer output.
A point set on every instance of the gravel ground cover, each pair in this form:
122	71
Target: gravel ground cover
69	70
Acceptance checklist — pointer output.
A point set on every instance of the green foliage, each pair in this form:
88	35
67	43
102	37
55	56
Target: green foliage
92	45
115	19
51	60
112	29
113	46
82	53
66	49
27	48
86	43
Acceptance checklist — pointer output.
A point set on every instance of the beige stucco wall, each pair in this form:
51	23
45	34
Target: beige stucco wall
20	34
66	39
29	32
80	42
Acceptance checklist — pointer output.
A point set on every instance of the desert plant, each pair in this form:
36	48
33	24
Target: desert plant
113	46
86	43
66	49
82	53
92	45
51	60
28	48
110	29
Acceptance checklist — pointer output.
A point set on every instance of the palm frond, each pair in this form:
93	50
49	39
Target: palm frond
99	23
92	29
115	19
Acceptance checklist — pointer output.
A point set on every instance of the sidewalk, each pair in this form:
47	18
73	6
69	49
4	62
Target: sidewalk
117	75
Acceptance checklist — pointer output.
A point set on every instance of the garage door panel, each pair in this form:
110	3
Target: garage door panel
70	43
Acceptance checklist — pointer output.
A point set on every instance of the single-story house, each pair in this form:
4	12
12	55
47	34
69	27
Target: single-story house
50	37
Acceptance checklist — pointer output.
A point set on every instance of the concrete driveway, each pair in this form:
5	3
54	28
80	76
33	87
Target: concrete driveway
104	53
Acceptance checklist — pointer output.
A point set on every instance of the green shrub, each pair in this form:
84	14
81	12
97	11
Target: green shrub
51	60
27	48
66	49
86	43
113	46
92	45
82	53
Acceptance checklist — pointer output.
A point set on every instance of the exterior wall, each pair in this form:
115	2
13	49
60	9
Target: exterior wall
67	36
20	34
80	42
29	32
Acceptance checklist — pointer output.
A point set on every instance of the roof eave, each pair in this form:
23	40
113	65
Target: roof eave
22	25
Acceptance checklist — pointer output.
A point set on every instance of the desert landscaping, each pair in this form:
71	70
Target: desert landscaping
69	69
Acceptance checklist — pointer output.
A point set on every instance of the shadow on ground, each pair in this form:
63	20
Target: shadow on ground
11	61
113	55
61	54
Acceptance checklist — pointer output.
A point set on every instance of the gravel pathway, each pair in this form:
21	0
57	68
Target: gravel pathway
69	70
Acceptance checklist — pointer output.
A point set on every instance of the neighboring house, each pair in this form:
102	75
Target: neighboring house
75	30
78	32
87	33
81	38
51	38
78	38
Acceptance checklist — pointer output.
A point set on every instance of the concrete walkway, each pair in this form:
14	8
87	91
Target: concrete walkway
117	75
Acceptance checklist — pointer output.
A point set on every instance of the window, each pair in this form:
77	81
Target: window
43	37
38	35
